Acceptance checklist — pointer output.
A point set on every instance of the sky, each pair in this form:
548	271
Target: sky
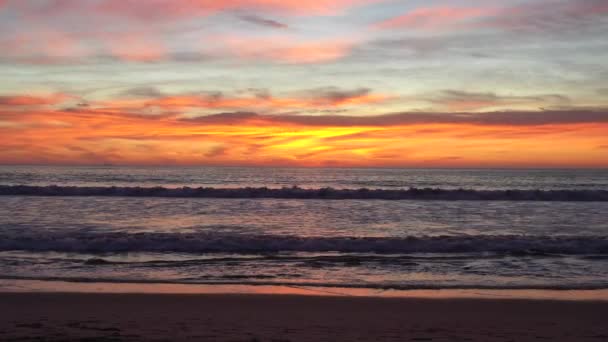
370	83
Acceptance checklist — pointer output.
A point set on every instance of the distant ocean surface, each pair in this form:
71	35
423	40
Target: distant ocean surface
499	229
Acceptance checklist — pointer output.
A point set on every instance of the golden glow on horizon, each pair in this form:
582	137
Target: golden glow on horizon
81	137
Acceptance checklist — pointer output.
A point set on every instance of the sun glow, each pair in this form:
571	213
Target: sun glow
92	137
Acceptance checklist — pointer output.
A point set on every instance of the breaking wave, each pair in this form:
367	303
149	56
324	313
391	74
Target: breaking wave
214	243
304	193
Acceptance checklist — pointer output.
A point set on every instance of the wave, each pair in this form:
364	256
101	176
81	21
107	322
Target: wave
303	193
300	259
260	244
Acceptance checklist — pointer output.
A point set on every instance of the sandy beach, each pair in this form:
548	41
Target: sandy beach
250	317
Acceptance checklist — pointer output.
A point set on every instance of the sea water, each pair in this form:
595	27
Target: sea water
528	229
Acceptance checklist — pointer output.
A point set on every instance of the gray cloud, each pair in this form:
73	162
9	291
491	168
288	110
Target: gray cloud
548	16
338	95
492	99
514	30
189	56
143	92
216	151
261	93
335	95
223	118
260	21
504	118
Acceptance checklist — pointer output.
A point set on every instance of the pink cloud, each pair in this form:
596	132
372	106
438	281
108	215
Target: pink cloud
170	9
113	28
46	46
159	9
282	49
42	46
135	47
434	17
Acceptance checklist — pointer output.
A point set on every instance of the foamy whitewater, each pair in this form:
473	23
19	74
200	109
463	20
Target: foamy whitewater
374	228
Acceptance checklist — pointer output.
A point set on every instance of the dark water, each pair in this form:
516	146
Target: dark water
339	178
361	242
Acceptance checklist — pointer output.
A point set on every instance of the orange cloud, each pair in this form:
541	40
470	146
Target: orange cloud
29	100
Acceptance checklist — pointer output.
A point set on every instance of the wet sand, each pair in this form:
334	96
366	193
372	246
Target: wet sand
250	317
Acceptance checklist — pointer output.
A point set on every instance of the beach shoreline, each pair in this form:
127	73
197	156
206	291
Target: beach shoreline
101	287
55	316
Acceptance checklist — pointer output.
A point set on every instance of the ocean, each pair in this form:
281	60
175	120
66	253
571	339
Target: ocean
313	227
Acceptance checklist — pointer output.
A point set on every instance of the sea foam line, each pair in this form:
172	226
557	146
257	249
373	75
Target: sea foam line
303	193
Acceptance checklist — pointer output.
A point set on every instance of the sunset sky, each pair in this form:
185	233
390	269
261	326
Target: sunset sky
410	83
